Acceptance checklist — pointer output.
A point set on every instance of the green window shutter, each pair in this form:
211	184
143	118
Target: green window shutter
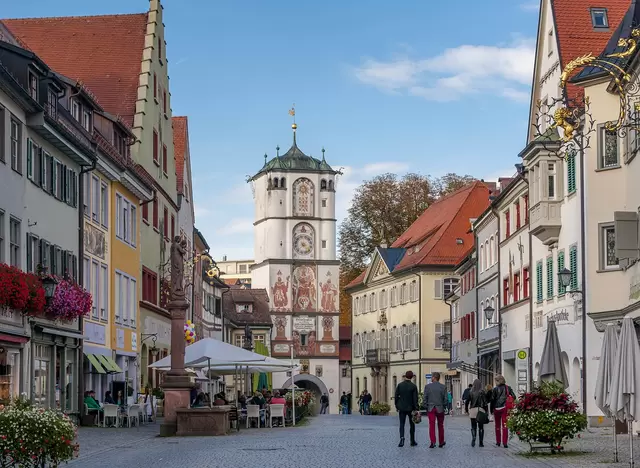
561	288
571	173
29	159
539	281
573	266
549	278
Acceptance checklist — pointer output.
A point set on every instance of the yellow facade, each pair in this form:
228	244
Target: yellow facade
126	275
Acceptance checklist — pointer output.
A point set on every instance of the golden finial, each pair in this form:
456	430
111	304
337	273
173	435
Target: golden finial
292	113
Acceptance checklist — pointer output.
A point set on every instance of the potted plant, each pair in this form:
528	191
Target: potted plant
69	302
37	437
14	291
547	415
380	408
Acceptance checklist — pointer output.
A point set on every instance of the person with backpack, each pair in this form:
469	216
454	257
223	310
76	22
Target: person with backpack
502	401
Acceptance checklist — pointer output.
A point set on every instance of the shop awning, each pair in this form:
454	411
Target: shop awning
13	338
110	364
94	362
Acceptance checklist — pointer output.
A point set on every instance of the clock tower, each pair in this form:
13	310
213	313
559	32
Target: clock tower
295	261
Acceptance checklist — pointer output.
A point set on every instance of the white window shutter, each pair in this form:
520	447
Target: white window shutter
437	289
626	232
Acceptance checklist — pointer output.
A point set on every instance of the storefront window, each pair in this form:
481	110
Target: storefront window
71	386
9	374
41	375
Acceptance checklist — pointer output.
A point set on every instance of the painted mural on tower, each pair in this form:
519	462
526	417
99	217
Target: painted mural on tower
303	197
328	294
280	293
304	288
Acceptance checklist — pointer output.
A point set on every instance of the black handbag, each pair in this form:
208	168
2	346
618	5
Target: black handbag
482	417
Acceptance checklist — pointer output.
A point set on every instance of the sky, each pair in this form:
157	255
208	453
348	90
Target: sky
419	86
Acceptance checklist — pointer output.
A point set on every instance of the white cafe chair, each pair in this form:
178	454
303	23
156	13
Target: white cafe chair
253	411
276	411
133	414
110	412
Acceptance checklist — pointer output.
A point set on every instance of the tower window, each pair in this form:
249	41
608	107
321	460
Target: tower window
599	18
275	182
324	203
323	184
331	185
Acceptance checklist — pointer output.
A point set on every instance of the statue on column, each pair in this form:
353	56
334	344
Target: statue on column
178	250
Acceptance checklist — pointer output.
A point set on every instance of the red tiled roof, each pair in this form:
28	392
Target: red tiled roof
432	239
105	52
180	140
575	32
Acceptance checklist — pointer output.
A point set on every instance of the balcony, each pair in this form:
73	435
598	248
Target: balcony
544	221
376	357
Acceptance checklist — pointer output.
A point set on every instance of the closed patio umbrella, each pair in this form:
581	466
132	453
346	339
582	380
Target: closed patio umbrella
551	367
624	395
605	376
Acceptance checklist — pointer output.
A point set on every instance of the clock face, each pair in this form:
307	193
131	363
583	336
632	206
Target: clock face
303	244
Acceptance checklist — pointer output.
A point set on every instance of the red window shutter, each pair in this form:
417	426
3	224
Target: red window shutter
166	222
505	292
164	159
517	215
516	287
525	283
155	213
507	219
145	212
173	227
462	329
526	209
468	327
155	147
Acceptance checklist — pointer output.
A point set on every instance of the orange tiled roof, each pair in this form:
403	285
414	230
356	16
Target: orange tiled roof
105	52
575	32
432	239
180	140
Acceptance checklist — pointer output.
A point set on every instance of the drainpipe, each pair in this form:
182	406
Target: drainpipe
80	362
420	329
451	334
498	306
479	312
530	312
583	242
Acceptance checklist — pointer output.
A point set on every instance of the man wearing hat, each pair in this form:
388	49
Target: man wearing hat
406	402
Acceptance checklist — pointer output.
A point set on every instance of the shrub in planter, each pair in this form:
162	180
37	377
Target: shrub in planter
380	409
35	437
305	401
546	415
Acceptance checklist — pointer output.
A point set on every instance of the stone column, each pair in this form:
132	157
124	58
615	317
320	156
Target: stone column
177	383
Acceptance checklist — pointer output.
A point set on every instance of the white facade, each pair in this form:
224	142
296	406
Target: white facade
554	199
295	261
211	310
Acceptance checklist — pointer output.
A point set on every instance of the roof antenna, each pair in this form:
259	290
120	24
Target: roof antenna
292	113
323	160
265	159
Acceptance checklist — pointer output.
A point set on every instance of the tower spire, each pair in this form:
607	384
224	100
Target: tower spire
323	160
292	113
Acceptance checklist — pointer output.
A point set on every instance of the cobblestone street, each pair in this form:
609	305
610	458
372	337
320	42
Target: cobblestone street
331	441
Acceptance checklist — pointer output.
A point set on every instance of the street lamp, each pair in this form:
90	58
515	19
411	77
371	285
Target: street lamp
153	349
49	283
488	313
444	342
565	277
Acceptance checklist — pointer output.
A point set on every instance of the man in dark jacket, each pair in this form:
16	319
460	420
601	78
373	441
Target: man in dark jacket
406	403
465	397
324	403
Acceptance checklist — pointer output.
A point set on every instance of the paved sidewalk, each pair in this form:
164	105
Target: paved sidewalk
95	441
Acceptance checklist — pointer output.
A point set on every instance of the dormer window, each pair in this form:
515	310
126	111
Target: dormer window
243	308
75	109
33	85
52	104
86	120
599	18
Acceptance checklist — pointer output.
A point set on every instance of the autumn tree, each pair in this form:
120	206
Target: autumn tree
382	209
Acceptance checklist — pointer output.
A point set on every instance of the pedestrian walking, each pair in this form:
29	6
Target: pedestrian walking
349	402
406	401
476	406
366	402
502	400
465	396
344	403
435	402
450	403
324	403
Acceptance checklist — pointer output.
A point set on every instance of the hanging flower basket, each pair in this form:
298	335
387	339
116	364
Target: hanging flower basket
14	291
69	302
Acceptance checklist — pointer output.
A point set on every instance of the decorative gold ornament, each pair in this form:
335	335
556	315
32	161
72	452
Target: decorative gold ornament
561	119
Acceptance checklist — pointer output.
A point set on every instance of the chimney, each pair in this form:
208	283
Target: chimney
224	258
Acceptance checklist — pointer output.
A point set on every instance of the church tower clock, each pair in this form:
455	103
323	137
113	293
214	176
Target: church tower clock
295	261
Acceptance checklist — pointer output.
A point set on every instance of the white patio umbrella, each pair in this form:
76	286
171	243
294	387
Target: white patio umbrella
624	395
605	376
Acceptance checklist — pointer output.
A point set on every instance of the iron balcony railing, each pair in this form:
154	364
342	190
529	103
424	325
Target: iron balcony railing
376	357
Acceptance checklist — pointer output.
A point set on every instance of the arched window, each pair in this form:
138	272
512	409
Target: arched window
395	382
358	386
365	383
303	197
283	183
275	182
304	241
323	184
373	301
331	185
487	252
383	299
492	246
482	258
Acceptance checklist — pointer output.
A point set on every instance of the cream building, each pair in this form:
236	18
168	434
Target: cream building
611	174
235	272
399	314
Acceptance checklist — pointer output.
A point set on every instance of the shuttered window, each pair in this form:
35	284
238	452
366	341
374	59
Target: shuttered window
573	266
561	288
549	277
571	173
539	282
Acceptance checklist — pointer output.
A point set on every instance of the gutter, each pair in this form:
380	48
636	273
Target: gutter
583	242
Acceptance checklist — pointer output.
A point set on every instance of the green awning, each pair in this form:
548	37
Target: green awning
95	363
110	364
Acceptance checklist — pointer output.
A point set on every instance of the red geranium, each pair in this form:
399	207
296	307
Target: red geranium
36	301
14	291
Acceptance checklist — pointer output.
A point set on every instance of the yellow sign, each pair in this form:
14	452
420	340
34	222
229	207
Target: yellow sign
522	354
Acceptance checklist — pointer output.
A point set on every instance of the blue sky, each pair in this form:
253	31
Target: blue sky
421	86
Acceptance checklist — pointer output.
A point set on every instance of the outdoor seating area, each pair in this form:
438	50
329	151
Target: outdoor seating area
108	415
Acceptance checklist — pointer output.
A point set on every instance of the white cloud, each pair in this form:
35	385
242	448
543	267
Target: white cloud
239	194
236	226
500	70
530	6
200	211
